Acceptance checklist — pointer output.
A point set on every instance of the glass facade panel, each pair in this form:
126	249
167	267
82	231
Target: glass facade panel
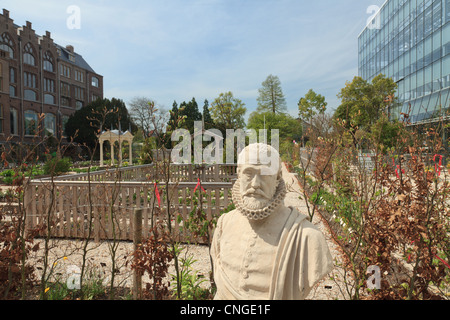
444	99
447	11
446	66
412	47
446	39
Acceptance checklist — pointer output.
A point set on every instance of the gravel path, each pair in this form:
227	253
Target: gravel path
66	255
330	287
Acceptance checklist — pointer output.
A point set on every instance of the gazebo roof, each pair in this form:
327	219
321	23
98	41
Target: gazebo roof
108	134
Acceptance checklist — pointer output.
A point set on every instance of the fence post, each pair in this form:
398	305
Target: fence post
216	173
137	240
27	198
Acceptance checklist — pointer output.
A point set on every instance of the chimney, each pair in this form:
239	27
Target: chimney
48	34
29	25
69	48
6	13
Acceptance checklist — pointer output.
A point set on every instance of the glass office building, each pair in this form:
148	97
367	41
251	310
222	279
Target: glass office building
409	41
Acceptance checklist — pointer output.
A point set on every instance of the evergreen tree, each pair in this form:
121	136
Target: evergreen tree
103	114
191	113
271	97
207	119
173	123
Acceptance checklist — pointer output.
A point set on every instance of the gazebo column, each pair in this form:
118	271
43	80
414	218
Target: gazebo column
112	152
120	152
130	142
101	153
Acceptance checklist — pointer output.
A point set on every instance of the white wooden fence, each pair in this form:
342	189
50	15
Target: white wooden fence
83	206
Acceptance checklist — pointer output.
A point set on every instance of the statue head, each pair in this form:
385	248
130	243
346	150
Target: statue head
260	186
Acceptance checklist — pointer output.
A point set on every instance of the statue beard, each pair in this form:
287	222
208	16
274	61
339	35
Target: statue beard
253	203
261	207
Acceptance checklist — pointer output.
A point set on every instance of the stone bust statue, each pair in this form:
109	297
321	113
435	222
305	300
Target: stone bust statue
264	250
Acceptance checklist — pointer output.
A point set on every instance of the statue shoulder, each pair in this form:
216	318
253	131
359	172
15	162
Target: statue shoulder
308	228
229	216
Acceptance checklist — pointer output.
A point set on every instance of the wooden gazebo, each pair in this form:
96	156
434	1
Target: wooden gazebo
114	136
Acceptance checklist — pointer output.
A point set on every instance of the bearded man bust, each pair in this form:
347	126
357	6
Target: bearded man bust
264	250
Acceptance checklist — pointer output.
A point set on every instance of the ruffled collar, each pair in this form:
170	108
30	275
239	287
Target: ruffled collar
258	214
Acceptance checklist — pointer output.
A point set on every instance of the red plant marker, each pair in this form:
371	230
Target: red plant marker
443	261
198	184
157	194
397	171
436	168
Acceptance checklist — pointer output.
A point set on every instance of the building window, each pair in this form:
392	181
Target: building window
64	70
446	39
29	80
64	120
49	99
1	77
447	11
12	75
7	45
94	98
1	118
78	105
12	91
65	89
13	121
65	102
28	55
79	76
31	123
30	95
49	85
95	82
79	93
50	124
48	62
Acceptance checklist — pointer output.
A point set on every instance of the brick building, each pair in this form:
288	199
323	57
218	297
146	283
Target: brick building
41	83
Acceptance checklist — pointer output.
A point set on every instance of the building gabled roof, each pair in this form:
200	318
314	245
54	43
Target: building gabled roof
78	61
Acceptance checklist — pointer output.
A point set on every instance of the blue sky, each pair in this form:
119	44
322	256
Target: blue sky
170	50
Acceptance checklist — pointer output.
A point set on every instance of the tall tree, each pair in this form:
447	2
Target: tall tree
173	123
271	97
147	115
289	128
228	112
86	123
362	103
310	105
191	113
207	119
